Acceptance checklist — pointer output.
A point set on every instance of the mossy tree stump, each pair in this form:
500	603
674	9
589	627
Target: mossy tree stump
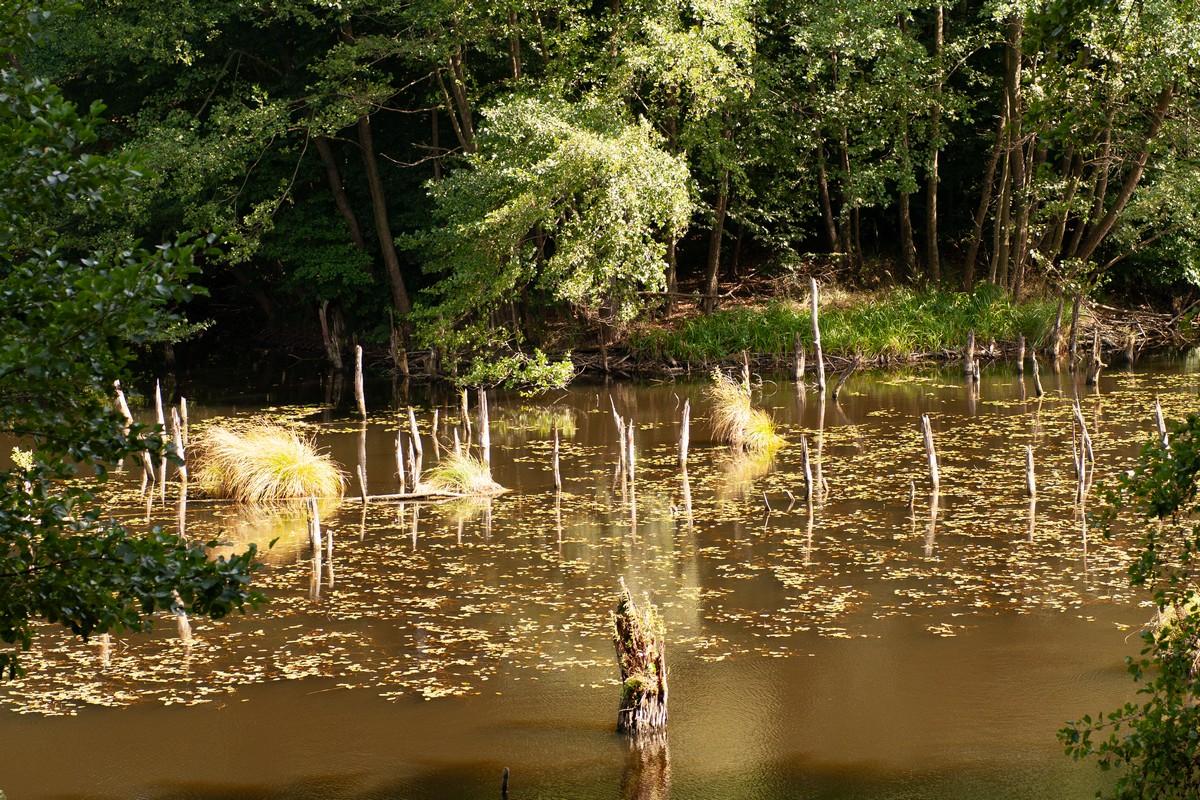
641	657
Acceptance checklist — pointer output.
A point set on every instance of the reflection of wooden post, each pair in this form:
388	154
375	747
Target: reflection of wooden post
557	474
798	360
362	484
684	431
930	452
359	396
1021	354
815	293
807	466
1030	481
969	356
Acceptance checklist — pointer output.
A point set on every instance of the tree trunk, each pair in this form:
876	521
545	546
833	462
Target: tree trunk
1104	226
985	201
334	178
935	132
835	246
383	228
714	243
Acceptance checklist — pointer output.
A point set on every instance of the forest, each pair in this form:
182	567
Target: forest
465	180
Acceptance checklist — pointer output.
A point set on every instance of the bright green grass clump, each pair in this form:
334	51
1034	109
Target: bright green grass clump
896	324
261	463
459	473
736	421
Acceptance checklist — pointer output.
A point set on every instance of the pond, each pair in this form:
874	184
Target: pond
862	649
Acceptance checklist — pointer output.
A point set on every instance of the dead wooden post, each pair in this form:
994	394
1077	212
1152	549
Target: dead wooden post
184	418
1030	480
1131	347
1097	363
930	452
1084	436
1021	354
457	443
359	396
641	658
485	429
798	359
466	417
400	471
416	440
161	420
557	473
1161	424
815	293
414	465
1037	376
912	497
314	525
746	371
362	484
1056	332
433	435
684	431
181	618
630	458
1073	346
177	436
837	387
969	356
504	784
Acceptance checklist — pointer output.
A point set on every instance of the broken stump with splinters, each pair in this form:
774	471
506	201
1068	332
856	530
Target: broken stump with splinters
641	657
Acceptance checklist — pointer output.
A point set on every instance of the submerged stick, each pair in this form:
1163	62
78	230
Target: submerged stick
684	432
930	452
359	396
837	387
815	293
807	467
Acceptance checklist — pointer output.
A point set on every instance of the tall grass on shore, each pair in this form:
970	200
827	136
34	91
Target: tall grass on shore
262	463
736	421
897	324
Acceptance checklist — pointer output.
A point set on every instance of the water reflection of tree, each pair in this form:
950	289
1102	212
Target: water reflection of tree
647	774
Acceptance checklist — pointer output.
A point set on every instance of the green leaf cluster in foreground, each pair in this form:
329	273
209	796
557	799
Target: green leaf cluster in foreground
1154	743
75	310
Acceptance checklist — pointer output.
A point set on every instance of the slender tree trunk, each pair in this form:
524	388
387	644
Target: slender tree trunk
1105	225
383	228
334	178
908	250
835	246
714	243
935	133
514	46
435	143
985	201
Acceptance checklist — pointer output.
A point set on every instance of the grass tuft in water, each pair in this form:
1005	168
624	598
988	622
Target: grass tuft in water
459	473
736	421
261	463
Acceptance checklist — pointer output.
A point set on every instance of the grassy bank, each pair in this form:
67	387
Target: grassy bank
897	324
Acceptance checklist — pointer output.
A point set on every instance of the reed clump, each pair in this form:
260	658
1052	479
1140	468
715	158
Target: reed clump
736	421
459	473
262	463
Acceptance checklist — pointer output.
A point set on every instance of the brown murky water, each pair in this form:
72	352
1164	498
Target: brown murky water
860	651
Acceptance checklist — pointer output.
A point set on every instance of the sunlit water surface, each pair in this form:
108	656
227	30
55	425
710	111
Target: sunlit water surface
862	650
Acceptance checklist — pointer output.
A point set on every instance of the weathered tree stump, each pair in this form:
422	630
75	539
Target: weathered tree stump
641	657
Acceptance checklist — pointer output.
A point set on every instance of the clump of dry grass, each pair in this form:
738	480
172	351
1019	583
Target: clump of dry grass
459	473
736	421
260	463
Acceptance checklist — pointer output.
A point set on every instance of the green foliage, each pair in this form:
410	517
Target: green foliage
529	373
570	201
1153	743
892	324
73	318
